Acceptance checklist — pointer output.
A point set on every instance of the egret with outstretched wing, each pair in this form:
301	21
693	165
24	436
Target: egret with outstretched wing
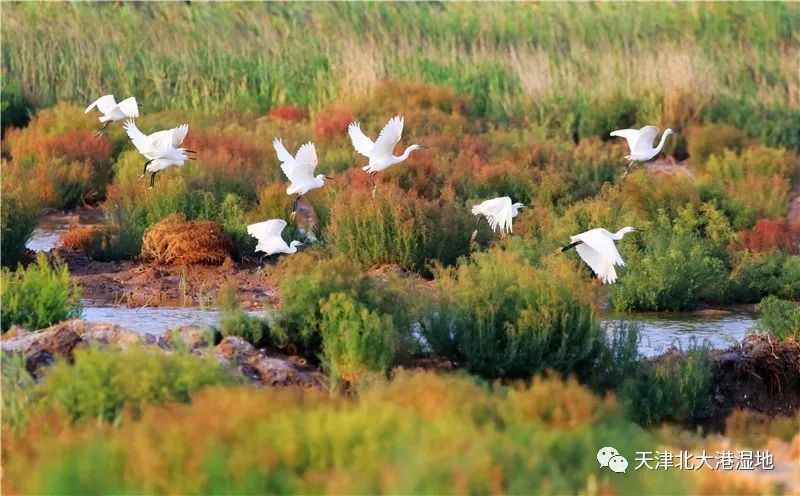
596	247
299	169
113	111
380	152
268	234
498	212
161	149
640	142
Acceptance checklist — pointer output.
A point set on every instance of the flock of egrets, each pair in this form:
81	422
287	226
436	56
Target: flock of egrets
162	150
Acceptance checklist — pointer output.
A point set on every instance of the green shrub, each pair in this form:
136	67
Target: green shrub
38	296
675	270
356	342
14	106
757	275
499	317
18	217
397	227
423	433
102	384
674	387
780	318
236	322
774	125
306	283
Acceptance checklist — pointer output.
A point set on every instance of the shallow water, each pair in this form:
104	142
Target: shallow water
47	234
659	331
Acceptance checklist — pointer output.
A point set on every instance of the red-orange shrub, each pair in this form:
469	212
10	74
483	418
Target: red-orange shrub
287	113
332	122
228	163
768	235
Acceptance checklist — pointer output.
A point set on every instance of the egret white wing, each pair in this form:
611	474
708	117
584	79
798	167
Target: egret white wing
498	213
179	134
268	234
104	104
137	137
307	154
645	142
389	137
283	154
630	135
129	107
602	267
361	142
602	244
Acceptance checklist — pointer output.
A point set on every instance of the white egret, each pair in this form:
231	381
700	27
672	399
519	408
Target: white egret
596	247
640	141
498	213
299	169
113	111
268	234
161	149
380	152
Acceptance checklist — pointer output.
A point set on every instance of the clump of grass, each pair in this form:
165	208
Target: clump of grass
39	295
398	227
307	282
357	342
500	317
236	322
780	318
174	241
674	388
103	384
19	213
713	139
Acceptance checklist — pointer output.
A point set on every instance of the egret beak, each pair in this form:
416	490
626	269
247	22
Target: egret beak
191	151
329	178
424	147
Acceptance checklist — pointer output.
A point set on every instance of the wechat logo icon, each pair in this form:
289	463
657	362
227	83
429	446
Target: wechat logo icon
610	457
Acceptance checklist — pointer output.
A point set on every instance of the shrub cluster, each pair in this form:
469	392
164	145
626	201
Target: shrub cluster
780	318
500	317
39	295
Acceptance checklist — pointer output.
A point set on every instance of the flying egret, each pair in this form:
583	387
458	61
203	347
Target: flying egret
380	151
113	111
498	213
268	234
161	149
596	247
640	142
299	170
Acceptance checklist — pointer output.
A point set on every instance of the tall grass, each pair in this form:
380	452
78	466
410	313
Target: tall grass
511	60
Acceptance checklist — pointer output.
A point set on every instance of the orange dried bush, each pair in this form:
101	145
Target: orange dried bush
174	241
82	238
768	235
287	113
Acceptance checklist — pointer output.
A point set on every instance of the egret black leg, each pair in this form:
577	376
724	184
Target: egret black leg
374	184
153	178
102	129
144	169
475	232
294	207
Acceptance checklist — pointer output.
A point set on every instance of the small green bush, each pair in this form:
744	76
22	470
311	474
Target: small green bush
102	384
38	296
757	275
18	217
674	388
307	283
397	227
780	318
356	342
675	270
500	317
236	322
713	139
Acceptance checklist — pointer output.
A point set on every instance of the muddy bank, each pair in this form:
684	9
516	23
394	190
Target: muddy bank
138	284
